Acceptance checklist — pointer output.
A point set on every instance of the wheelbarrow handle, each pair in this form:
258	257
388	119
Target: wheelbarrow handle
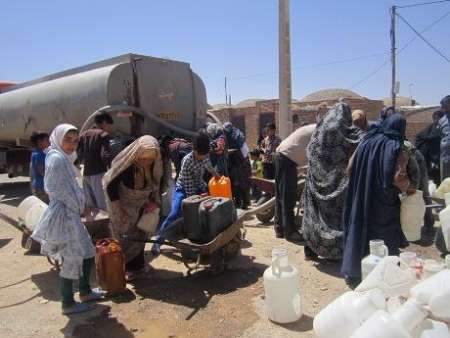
138	239
176	245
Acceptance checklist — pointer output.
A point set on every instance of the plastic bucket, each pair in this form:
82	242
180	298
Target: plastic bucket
27	204
34	215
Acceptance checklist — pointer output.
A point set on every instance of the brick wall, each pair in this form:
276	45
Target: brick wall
304	110
372	108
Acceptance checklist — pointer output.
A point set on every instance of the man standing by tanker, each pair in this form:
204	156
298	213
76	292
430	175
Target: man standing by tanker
94	152
290	155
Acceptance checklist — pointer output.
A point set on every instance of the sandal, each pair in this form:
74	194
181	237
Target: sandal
77	308
129	276
96	294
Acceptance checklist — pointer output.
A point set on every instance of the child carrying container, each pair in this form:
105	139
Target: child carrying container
190	182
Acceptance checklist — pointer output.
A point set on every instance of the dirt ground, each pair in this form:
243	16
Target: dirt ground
169	303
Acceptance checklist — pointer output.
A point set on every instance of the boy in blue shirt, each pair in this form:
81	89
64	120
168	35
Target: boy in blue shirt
40	142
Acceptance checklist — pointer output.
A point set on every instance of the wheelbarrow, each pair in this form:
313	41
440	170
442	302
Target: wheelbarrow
96	226
215	255
268	188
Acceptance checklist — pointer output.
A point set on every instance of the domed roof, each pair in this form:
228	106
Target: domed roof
331	94
247	103
219	106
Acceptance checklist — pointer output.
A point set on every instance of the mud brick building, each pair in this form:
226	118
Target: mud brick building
253	114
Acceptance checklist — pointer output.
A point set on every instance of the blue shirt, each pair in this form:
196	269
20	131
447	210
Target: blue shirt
37	166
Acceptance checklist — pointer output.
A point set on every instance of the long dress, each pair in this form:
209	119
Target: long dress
373	205
133	200
60	231
329	151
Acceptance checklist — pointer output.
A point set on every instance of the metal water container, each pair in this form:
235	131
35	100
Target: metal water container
167	89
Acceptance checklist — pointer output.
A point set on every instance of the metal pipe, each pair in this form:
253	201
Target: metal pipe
139	111
213	117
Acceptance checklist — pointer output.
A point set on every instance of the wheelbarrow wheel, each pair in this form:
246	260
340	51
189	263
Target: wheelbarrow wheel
217	262
233	248
266	215
191	260
54	262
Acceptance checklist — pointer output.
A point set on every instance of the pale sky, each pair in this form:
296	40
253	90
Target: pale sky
335	44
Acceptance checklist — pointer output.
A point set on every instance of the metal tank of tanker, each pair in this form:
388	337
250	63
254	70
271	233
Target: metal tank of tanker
166	94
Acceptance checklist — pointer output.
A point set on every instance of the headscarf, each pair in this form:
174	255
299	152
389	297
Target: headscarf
145	145
235	137
56	139
445	101
394	127
359	115
386	112
214	130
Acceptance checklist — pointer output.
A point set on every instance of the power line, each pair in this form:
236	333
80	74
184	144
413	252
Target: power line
423	38
424	30
423	4
367	77
313	66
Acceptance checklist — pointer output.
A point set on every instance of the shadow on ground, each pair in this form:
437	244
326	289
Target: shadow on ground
170	286
331	268
305	323
96	324
47	283
4	241
14	192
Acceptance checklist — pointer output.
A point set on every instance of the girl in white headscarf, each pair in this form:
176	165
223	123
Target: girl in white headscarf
60	232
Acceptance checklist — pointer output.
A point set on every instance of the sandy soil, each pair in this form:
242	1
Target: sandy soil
170	302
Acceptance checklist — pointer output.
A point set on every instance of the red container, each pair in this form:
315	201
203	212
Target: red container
110	266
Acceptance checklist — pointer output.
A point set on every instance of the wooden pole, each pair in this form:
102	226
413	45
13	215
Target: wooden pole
226	93
393	56
284	54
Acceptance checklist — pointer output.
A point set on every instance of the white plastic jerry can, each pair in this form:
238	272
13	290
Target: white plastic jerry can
411	215
435	292
392	276
377	252
282	289
347	313
398	325
434	329
31	210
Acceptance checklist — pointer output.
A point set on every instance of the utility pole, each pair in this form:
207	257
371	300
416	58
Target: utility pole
226	93
393	51
284	60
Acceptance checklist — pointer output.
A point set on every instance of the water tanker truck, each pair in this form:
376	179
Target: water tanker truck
144	95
